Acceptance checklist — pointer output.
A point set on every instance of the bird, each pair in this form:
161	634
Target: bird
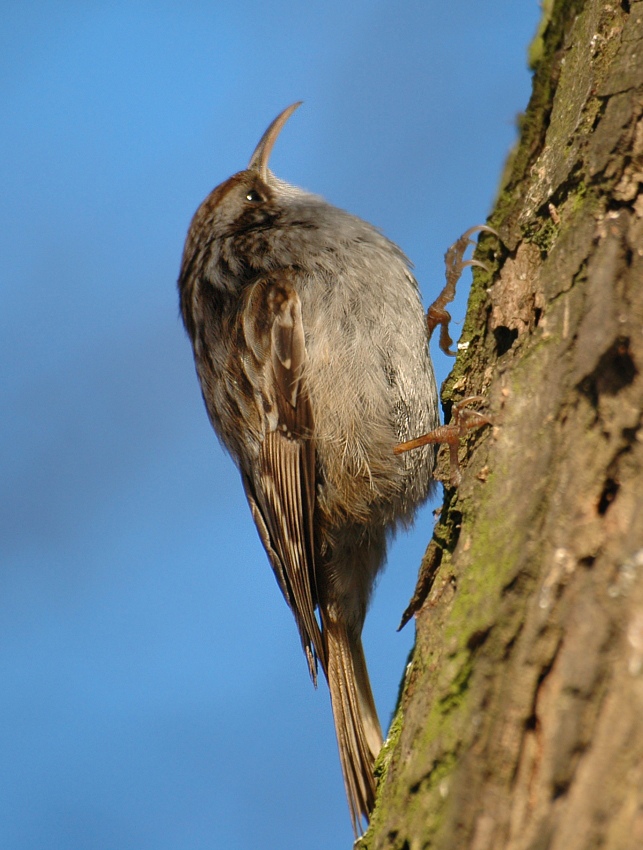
311	348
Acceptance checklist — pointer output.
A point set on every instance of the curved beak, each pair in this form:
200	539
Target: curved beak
259	159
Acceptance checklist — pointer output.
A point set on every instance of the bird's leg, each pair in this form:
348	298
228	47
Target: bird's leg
454	266
463	419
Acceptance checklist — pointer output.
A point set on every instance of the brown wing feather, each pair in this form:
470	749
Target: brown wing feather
281	488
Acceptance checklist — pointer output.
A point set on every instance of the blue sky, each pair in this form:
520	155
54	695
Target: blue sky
154	694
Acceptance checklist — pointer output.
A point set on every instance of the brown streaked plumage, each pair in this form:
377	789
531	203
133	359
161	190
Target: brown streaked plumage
311	349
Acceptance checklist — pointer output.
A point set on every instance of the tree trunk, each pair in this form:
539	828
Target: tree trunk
520	724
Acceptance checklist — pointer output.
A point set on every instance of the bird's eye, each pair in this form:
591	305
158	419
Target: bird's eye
253	196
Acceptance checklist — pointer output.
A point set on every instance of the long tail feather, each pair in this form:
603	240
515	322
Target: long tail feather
359	736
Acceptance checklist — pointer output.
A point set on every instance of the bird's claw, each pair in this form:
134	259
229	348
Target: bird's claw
454	266
463	419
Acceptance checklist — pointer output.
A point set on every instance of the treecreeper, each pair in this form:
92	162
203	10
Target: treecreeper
311	348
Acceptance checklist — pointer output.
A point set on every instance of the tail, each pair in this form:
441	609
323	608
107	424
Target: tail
359	736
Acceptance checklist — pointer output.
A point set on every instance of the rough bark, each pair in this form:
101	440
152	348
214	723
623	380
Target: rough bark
520	723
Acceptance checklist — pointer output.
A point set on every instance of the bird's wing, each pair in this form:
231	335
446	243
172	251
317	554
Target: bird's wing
281	487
